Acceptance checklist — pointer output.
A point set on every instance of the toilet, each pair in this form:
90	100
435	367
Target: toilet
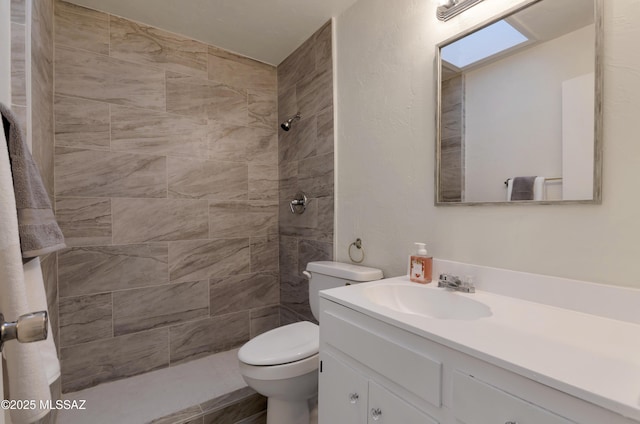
282	364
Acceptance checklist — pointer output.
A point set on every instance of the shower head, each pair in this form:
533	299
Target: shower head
287	124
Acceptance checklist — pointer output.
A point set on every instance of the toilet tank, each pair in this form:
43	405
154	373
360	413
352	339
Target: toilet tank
324	275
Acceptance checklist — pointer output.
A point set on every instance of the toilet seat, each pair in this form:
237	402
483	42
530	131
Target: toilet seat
282	345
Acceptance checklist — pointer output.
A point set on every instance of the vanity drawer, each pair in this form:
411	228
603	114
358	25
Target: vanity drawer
402	364
476	402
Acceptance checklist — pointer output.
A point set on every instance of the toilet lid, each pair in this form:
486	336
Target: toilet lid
282	345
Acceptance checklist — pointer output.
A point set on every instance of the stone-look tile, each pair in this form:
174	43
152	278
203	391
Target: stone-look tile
288	257
49	266
324	59
181	416
264	319
238	411
453	92
262	106
315	93
84	221
82	28
146	220
238	71
324	135
298	65
202	259
264	254
42	90
287	104
227	399
93	173
140	43
260	418
263	182
237	293
293	224
18	11
85	319
190	96
99	77
89	364
242	219
301	143
89	270
315	174
207	179
288	174
21	114
195	339
294	295
316	225
81	123
143	131
18	73
287	316
312	250
240	143
152	307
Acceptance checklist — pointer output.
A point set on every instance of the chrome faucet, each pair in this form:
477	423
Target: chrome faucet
454	283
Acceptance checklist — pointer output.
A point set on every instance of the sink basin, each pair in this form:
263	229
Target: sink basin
426	301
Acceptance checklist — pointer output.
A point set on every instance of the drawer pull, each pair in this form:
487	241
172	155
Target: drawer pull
353	397
376	413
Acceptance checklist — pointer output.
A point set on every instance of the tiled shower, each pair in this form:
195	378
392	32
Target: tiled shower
171	185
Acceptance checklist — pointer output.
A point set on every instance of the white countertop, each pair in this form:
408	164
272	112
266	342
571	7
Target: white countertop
593	358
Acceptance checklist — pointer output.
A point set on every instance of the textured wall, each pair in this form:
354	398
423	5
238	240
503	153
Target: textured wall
166	190
385	154
305	84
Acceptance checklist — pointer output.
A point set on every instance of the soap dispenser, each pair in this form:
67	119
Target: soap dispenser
420	265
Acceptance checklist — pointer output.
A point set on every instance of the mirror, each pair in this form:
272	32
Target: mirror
520	97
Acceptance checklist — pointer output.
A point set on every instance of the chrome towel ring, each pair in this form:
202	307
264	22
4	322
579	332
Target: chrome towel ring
358	245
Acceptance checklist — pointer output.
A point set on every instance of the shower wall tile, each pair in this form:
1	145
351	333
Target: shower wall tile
195	339
81	123
293	224
238	71
82	28
265	319
140	43
92	173
18	65
160	306
324	134
49	266
287	104
84	221
99	77
294	295
237	293
89	270
288	258
323	47
288	181
144	131
241	143
298	65
264	254
263	182
85	319
207	179
299	143
312	250
88	364
147	220
201	98
242	219
262	107
202	259
315	93
18	11
315	174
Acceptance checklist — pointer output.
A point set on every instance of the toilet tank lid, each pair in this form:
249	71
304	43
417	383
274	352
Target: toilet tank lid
345	271
282	345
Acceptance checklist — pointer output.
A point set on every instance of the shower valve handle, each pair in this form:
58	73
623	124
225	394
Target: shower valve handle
28	328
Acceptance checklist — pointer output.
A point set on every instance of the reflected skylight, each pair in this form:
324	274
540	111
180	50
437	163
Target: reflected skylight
482	44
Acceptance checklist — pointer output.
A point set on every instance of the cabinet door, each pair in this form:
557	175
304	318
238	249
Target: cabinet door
387	408
342	394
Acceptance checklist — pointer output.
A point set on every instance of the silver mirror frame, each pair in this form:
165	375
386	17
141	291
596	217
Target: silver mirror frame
598	118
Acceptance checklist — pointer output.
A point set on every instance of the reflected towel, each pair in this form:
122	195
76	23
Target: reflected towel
539	189
522	188
39	231
25	368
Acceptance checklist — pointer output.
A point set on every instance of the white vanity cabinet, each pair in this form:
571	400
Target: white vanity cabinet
373	371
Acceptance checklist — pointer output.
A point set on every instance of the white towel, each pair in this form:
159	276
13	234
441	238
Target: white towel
539	188
26	373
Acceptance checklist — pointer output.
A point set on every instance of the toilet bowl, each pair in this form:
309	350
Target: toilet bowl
282	364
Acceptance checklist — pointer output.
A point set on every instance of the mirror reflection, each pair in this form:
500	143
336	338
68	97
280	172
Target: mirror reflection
519	109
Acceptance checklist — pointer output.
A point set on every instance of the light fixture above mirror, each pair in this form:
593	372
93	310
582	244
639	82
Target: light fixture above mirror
447	9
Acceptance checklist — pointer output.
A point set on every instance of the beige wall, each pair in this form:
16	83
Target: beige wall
167	192
385	149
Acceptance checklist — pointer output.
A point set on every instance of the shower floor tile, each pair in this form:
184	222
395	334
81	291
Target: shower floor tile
146	397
